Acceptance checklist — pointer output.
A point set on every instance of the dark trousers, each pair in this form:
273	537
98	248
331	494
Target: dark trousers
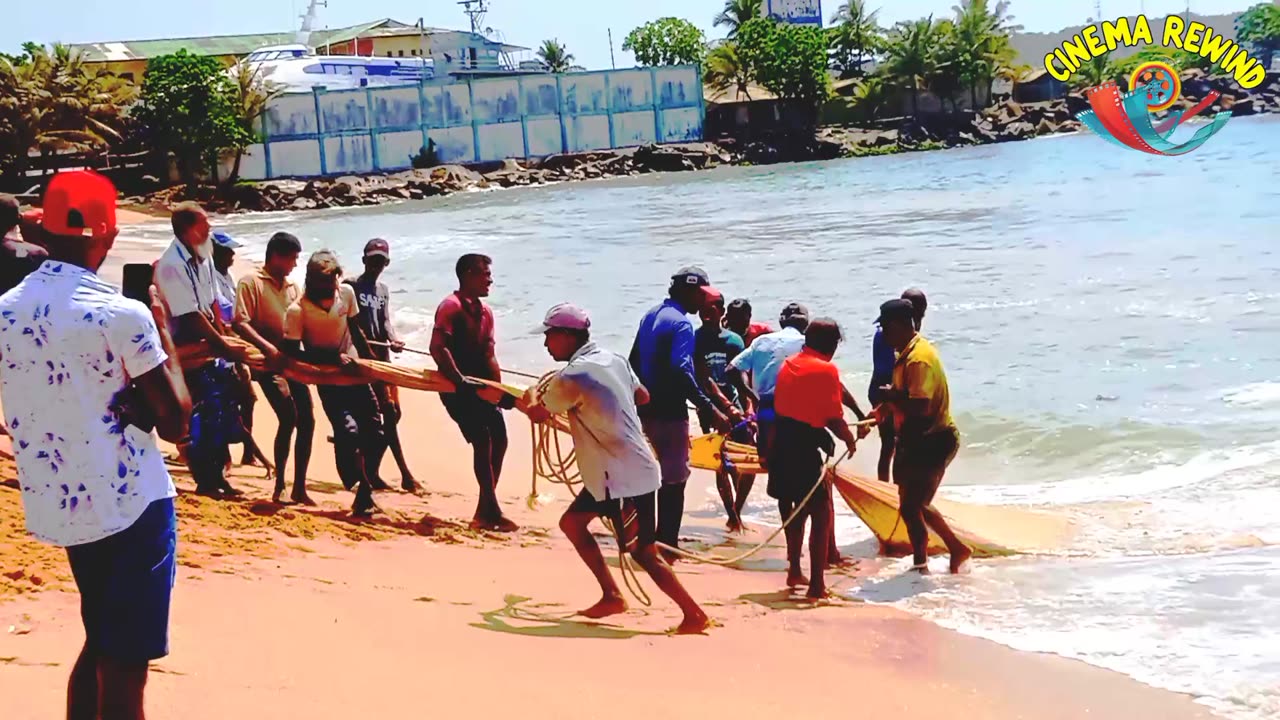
291	402
358	440
215	423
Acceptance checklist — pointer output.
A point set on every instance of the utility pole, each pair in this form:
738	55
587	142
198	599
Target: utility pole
612	63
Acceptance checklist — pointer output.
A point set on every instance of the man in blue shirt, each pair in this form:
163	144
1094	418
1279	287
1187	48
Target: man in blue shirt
883	359
662	358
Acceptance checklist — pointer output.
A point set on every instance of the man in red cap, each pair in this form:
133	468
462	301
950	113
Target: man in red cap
87	374
375	322
620	475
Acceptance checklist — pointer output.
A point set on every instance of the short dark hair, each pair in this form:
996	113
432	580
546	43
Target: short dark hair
740	304
184	216
918	301
471	261
10	213
283	243
824	335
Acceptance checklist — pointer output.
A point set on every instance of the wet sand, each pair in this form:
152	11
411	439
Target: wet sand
304	612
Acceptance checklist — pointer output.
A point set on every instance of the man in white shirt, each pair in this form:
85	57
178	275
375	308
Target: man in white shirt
620	475
85	374
184	277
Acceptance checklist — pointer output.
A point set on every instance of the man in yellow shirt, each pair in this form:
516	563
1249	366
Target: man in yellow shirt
927	438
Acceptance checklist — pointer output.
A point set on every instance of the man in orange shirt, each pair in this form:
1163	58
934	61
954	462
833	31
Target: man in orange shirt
809	402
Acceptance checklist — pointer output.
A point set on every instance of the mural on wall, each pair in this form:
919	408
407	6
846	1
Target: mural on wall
371	130
800	12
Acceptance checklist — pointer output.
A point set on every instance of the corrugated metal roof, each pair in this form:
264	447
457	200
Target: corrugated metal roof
124	50
731	94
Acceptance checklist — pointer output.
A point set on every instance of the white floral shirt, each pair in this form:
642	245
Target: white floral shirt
68	343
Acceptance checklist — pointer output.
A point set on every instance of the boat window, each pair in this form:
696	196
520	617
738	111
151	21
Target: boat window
401	53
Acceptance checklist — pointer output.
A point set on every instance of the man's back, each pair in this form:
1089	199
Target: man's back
664	344
69	342
764	358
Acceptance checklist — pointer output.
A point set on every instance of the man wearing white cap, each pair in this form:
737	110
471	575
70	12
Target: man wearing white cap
620	475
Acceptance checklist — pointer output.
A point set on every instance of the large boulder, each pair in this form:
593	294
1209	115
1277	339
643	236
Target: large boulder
455	178
659	158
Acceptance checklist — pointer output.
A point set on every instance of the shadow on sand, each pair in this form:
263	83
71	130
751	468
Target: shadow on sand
536	624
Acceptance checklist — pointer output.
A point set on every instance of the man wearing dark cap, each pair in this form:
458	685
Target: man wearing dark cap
224	256
662	357
18	258
882	360
738	319
88	374
927	439
375	322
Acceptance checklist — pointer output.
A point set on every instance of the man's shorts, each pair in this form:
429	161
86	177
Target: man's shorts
640	514
477	418
126	582
670	441
920	462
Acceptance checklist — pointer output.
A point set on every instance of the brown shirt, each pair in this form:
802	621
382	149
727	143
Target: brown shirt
320	329
262	303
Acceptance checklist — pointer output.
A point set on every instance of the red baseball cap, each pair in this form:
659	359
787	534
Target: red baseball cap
711	294
78	203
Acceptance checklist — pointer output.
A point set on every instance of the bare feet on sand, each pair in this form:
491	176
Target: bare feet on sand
499	524
302	498
922	569
959	559
693	624
795	579
608	605
410	485
277	498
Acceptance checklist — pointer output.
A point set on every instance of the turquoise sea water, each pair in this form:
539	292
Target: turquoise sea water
1108	320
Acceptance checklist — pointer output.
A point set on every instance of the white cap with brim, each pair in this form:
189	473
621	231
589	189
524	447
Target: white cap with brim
565	316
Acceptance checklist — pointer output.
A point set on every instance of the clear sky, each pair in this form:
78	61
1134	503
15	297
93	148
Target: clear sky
582	25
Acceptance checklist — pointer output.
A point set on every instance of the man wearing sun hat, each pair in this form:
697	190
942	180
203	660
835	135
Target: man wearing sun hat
87	375
599	392
662	358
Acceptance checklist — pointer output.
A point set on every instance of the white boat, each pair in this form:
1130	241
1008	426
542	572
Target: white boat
295	68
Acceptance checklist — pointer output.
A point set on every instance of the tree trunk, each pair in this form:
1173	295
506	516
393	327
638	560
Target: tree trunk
235	169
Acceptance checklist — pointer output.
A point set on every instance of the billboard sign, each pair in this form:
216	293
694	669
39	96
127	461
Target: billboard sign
799	12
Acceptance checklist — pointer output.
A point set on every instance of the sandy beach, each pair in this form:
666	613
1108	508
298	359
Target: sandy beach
307	613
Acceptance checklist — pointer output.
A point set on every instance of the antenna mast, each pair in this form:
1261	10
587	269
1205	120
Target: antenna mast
476	10
303	36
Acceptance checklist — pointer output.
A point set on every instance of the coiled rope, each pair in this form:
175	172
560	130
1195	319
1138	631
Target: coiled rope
552	463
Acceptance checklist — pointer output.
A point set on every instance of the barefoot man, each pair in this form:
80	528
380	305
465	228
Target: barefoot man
927	436
620	475
86	375
883	359
262	301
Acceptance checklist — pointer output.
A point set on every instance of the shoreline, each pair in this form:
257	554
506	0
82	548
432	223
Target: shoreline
269	602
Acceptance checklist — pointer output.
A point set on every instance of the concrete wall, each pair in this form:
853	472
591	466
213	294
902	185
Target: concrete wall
380	129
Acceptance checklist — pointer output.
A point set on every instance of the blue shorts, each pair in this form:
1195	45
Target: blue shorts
125	583
670	441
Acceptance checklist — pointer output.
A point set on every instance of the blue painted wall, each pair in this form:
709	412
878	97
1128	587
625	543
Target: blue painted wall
372	130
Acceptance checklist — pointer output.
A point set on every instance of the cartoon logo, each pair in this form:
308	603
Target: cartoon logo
1125	118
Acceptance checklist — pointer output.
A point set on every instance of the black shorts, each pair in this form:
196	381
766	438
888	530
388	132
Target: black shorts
477	418
796	460
920	462
640	513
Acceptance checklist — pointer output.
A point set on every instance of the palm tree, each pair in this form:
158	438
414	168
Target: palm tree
981	49
1094	72
253	92
912	56
555	56
60	105
724	68
855	37
735	13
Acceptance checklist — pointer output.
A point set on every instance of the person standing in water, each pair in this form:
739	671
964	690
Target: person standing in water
463	346
927	436
620	475
379	330
882	360
714	348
